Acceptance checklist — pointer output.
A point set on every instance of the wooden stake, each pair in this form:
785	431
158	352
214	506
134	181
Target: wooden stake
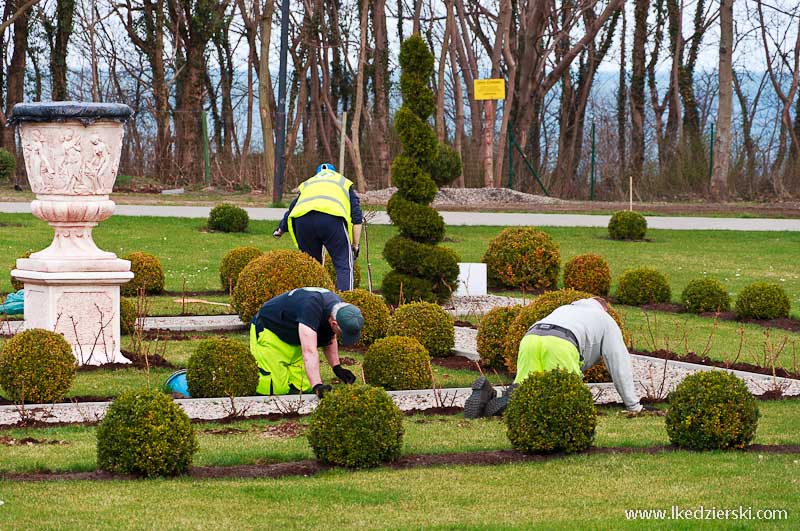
630	193
342	140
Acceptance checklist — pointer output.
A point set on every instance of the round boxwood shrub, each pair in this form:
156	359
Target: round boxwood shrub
8	164
642	286
221	366
127	316
396	363
375	311
400	288
274	273
428	323
711	410
147	274
762	300
145	433
356	426
18	284
627	225
522	257
36	367
228	218
332	272
232	264
705	295
540	308
492	334
588	272
550	412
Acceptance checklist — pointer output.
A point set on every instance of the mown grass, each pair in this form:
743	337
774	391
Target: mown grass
576	492
250	441
188	253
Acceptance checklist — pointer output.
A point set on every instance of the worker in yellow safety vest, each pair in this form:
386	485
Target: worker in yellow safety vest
326	213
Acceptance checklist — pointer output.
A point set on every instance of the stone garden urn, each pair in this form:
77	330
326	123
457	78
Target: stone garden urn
72	152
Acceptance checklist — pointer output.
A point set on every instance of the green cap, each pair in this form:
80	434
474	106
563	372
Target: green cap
350	320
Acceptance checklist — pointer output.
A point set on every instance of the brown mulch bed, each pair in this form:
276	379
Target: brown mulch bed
310	467
137	362
691	357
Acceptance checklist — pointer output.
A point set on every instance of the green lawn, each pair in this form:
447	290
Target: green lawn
187	253
577	492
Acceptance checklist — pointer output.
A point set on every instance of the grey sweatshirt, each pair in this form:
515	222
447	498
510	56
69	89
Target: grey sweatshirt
599	336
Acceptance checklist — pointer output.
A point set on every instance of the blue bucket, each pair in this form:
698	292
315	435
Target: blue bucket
177	383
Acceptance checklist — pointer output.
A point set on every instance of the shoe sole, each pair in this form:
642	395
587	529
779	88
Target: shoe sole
496	406
481	395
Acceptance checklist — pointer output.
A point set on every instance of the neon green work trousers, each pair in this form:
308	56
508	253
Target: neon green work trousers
279	364
545	353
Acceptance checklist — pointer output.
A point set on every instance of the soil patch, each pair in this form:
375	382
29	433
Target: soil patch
28	441
137	362
691	357
310	467
783	323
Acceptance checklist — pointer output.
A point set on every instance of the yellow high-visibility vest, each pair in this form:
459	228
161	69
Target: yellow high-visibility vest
328	192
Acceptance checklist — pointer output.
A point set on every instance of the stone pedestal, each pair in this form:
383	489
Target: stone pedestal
72	152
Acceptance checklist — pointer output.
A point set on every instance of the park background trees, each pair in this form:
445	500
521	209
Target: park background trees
650	78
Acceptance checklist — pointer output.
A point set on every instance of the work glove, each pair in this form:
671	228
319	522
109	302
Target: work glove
278	233
345	375
355	251
320	389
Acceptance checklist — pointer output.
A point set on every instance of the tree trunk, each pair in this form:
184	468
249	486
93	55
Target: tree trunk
264	97
381	91
16	79
361	184
457	95
636	93
622	100
58	55
722	144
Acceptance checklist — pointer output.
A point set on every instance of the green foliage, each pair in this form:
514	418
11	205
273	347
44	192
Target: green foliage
8	164
228	218
433	277
221	367
522	257
396	363
332	271
436	263
232	264
445	166
428	323
18	284
145	433
356	426
375	312
418	139
705	295
711	410
642	286
762	300
147	274
420	223
413	183
588	272
127	316
627	225
540	308
492	334
36	367
274	273
551	412
398	288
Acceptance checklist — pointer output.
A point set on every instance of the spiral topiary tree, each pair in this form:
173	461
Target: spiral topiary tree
421	271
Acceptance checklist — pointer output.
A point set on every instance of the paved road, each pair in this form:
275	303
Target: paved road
476	218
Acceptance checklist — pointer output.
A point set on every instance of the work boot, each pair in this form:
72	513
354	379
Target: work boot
498	405
482	392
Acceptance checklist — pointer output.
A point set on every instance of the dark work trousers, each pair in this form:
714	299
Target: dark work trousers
317	229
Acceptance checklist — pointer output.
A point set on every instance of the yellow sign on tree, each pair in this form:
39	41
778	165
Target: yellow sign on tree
489	89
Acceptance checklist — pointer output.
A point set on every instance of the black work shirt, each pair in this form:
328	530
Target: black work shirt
309	306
